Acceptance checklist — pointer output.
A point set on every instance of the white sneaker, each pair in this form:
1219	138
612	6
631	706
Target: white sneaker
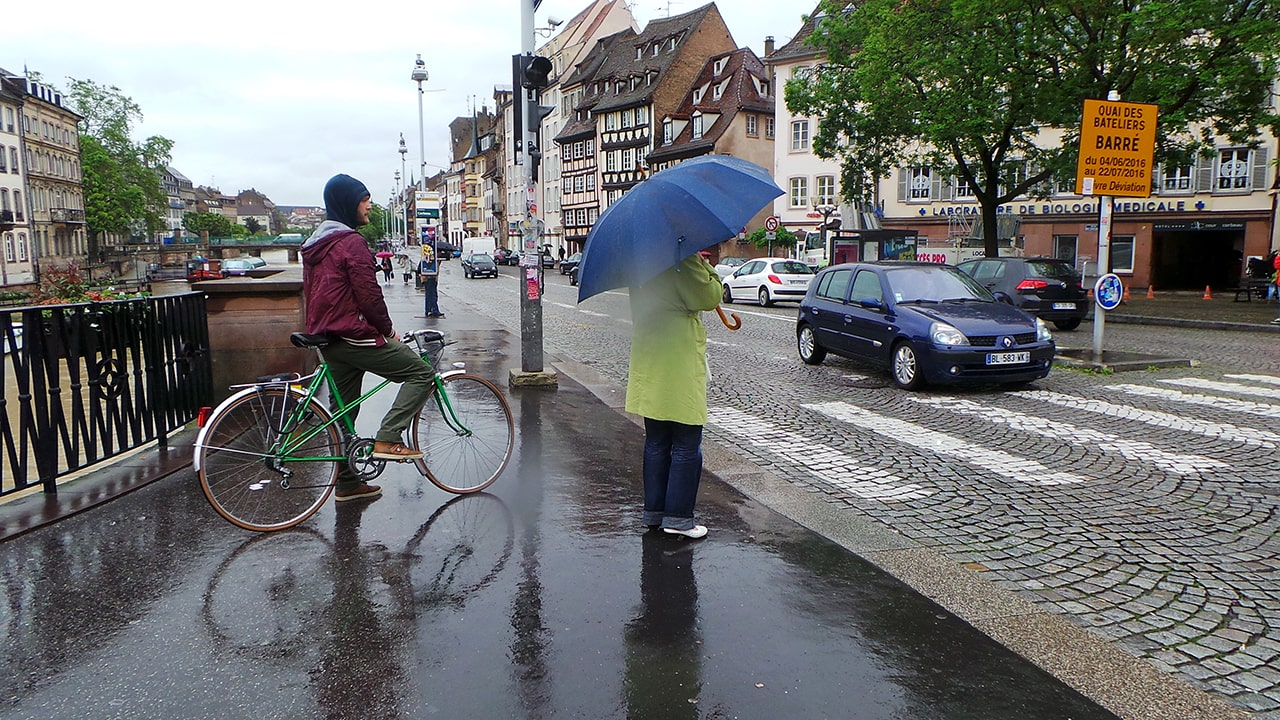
693	533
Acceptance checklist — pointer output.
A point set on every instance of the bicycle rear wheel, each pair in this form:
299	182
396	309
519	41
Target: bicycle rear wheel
242	476
466	436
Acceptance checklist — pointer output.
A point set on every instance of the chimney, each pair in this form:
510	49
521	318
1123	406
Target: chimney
768	46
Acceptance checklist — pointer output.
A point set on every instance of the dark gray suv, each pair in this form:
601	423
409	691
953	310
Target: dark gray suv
1046	287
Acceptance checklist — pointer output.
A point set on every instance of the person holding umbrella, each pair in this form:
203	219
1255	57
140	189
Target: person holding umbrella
667	386
651	241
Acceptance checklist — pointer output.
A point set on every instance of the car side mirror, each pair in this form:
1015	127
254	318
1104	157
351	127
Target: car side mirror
1002	297
871	303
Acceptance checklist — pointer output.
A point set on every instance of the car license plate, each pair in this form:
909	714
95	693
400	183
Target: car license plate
1009	358
1064	306
797	282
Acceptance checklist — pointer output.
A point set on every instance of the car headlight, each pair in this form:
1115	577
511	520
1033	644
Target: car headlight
943	334
1042	331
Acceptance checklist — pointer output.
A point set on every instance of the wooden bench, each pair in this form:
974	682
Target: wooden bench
1250	287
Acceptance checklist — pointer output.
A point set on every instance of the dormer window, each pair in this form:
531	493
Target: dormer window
656	48
639	53
764	89
718	67
697	126
697	96
672	47
668	131
717	91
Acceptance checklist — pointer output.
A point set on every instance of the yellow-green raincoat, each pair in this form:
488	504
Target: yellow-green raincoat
668	376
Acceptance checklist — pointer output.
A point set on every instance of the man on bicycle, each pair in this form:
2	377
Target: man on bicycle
345	302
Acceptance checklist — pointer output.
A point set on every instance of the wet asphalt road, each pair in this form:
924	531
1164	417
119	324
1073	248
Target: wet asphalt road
541	599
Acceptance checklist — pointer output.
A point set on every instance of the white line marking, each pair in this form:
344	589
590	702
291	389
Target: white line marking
1075	435
996	461
1209	429
1224	387
1217	403
1267	379
824	461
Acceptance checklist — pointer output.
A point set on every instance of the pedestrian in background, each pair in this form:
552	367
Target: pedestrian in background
386	271
429	274
406	270
667	386
1275	263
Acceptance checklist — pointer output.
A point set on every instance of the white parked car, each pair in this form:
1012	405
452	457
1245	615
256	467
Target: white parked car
726	266
768	280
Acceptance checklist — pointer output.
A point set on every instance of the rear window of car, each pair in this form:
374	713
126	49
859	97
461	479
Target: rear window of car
792	267
1055	269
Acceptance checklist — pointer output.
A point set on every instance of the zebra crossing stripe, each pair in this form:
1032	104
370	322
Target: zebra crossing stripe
828	463
996	461
1215	430
1267	379
1075	435
1209	401
1216	386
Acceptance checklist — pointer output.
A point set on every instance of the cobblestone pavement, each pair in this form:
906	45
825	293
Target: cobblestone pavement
1140	505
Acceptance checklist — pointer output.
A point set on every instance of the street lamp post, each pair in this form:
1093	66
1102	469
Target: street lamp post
395	205
404	149
827	210
420	76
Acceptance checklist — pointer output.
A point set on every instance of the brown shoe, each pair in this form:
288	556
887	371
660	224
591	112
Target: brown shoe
358	492
394	451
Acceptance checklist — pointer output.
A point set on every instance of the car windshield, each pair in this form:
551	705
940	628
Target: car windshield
791	267
733	262
481	257
933	284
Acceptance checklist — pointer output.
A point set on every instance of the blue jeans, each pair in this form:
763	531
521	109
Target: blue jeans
672	471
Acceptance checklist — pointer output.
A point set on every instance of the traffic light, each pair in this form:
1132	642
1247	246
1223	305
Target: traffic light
535	73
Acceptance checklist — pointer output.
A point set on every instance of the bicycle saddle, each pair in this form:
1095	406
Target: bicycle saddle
303	340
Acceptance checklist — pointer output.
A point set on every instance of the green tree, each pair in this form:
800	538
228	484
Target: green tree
253	226
783	238
965	87
216	224
123	192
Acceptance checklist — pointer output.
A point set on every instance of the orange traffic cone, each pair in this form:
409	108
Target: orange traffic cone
1126	295
1207	295
1151	292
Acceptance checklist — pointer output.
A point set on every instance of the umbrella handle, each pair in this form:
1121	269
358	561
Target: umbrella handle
735	324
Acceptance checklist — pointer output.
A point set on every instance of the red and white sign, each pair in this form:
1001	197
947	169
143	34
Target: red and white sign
771	223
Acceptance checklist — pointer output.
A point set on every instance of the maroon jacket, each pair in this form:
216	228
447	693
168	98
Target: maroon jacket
341	287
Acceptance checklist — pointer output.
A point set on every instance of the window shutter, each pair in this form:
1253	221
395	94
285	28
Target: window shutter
1204	174
935	186
902	184
1260	168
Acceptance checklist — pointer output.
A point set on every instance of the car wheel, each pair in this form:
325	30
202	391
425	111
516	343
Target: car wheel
905	366
726	297
573	278
1068	324
810	351
763	298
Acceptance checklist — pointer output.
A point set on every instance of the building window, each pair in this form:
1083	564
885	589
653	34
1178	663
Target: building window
753	128
9	255
799	135
611	121
668	132
1233	169
1177	179
626	118
591	183
1122	253
769	125
920	183
799	192
628	163
611	161
697	126
642	116
1064	248
17	206
22	247
826	190
697	96
717	92
718	67
961	189
13	159
579	183
591	148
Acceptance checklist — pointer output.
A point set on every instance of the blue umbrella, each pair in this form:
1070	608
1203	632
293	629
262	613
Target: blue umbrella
672	215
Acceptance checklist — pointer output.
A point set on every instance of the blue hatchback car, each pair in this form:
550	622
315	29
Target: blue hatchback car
925	323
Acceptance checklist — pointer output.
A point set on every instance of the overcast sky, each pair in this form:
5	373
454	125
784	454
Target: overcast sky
279	96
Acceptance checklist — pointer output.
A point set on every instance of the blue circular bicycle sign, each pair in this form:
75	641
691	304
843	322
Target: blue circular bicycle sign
1108	291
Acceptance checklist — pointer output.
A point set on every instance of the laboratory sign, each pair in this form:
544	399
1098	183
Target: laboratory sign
1117	149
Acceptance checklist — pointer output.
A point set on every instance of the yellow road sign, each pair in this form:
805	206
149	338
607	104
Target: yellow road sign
1117	149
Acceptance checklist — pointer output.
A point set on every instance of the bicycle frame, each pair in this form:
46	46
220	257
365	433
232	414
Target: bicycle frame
322	377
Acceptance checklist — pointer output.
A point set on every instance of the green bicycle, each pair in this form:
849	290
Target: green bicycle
268	456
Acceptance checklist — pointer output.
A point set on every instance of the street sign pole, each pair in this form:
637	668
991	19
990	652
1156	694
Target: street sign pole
1117	153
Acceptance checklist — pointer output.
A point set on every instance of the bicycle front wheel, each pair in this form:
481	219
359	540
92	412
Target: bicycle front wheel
248	480
465	435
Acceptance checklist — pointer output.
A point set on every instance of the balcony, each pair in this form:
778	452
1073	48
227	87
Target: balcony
6	219
66	215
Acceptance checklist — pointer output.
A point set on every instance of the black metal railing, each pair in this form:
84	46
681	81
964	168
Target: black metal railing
86	382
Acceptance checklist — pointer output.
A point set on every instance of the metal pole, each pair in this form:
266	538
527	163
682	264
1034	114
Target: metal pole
530	276
1105	207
